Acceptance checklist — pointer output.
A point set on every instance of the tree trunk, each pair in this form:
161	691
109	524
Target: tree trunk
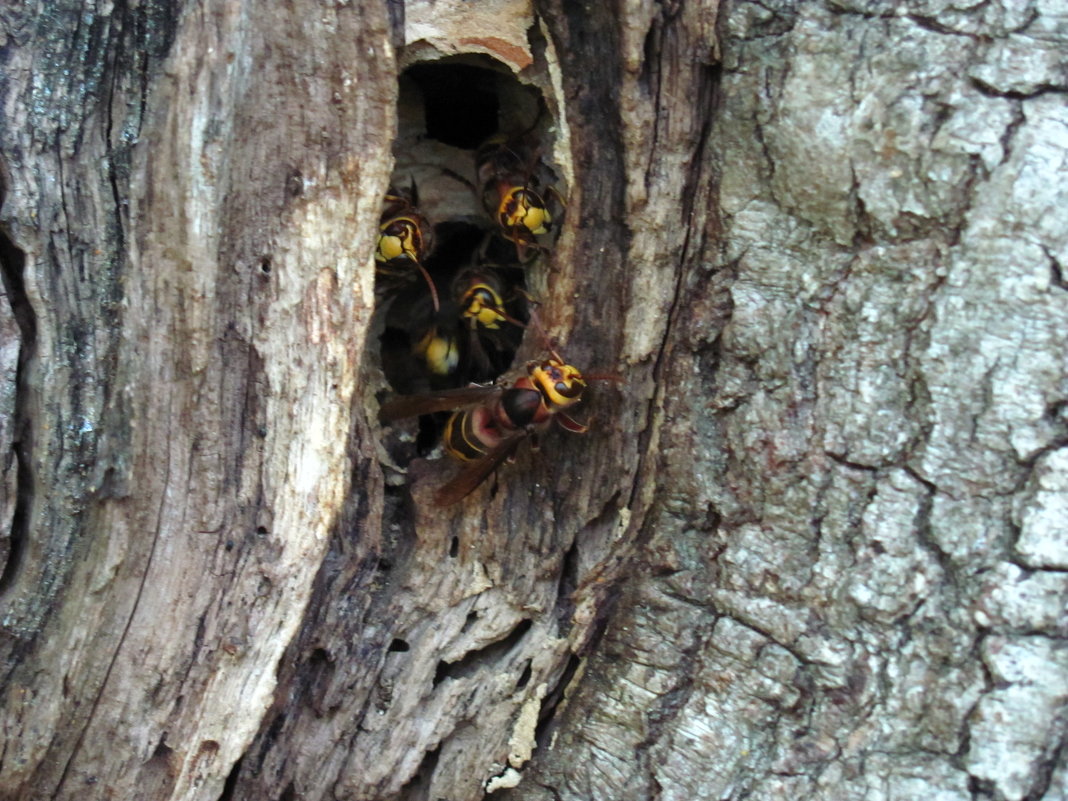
813	545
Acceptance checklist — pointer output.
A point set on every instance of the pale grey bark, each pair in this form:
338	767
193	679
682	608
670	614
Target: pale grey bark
863	593
814	546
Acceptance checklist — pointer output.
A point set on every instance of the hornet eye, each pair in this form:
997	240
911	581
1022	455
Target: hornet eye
570	390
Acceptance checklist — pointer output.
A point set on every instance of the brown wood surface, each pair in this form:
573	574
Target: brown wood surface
193	190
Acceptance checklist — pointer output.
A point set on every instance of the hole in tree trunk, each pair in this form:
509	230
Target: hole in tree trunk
473	208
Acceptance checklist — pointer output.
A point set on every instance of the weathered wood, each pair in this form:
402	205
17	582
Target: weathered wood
432	680
10	347
199	307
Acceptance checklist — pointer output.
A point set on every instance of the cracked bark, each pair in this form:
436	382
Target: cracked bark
813	548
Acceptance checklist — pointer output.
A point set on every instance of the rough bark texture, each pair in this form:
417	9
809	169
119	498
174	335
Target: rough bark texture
193	194
854	582
814	547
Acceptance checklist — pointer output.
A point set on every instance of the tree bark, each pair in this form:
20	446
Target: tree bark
813	546
192	194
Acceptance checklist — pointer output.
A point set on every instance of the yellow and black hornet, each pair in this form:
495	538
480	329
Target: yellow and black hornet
489	422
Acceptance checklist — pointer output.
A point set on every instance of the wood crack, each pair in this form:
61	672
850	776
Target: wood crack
12	268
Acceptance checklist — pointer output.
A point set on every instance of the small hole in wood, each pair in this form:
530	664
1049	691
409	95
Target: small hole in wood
481	659
524	677
209	746
294	183
163	751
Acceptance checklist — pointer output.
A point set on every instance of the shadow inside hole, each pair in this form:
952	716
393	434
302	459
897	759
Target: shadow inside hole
460	102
